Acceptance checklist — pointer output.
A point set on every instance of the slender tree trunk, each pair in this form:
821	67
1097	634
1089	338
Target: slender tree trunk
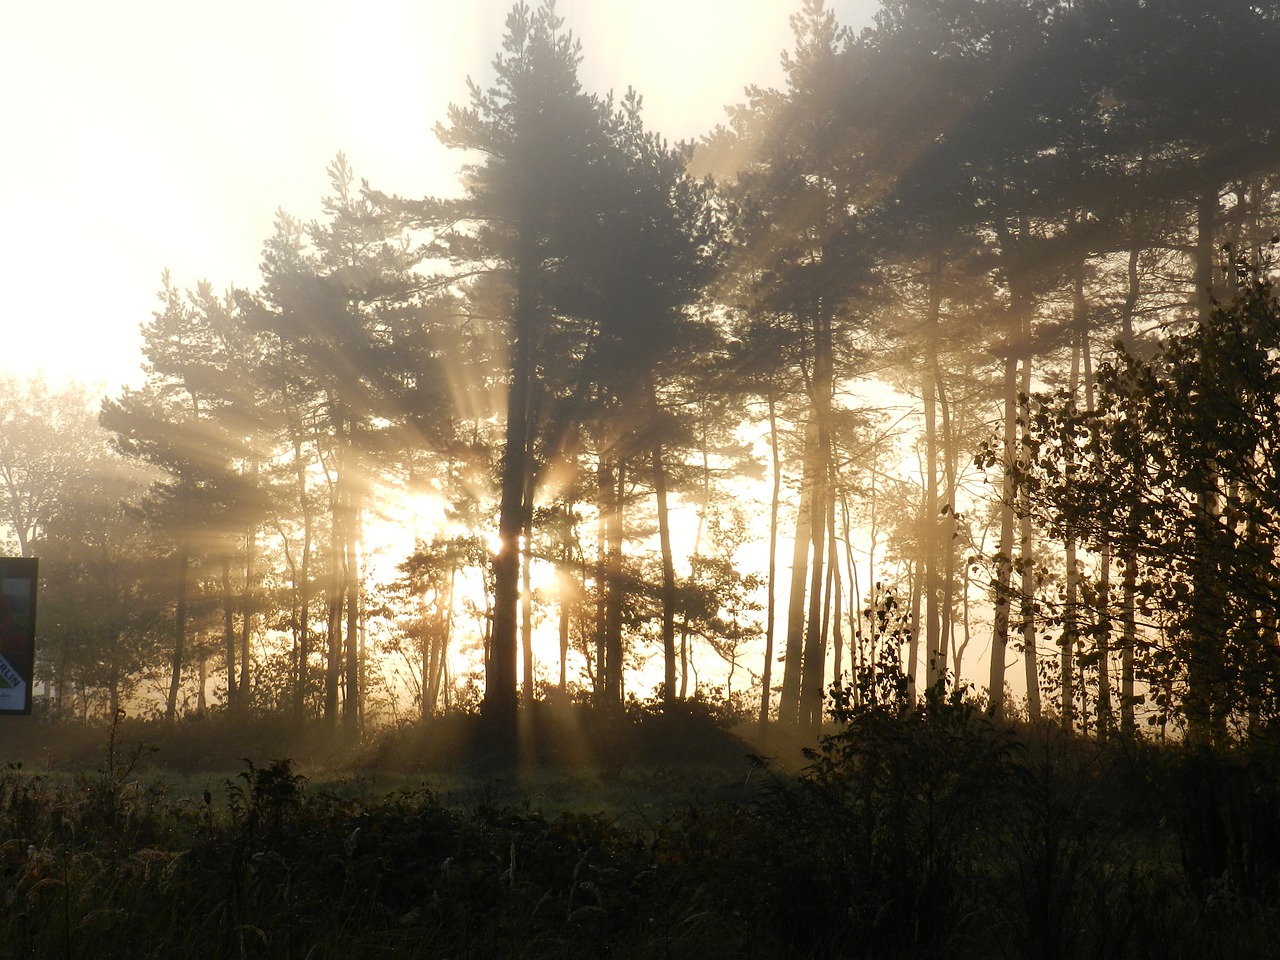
337	574
668	580
440	646
1128	558
302	677
60	680
913	641
351	704
856	635
1128	636
427	648
616	592
837	606
302	583
1004	555
228	633
564	625
202	681
113	677
766	676
948	527
247	603
1205	718
604	497
855	598
703	507
247	613
1071	612
1103	623
930	546
352	579
179	635
526	604
813	669
362	650
789	701
1027	565
875	599
333	652
567	594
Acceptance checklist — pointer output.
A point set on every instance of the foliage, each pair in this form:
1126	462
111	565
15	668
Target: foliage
1177	465
578	336
934	833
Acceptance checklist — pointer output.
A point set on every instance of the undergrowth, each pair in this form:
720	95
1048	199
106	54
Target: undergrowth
927	833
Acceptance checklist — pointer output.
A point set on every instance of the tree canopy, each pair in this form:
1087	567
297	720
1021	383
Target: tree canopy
973	314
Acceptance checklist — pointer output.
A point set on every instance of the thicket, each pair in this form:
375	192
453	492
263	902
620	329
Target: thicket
931	833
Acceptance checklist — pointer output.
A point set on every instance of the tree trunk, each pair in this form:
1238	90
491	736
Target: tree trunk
616	590
668	580
1070	613
228	633
351	704
526	603
440	643
338	574
179	635
1026	563
837	606
564	583
855	598
1128	557
813	669
604	496
247	602
930	546
333	634
913	639
1103	622
302	582
1205	718
247	607
789	700
500	661
766	677
948	528
703	506
1004	555
113	676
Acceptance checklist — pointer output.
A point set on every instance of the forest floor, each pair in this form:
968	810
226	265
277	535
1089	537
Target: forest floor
636	769
930	834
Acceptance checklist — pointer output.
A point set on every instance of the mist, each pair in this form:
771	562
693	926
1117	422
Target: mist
906	430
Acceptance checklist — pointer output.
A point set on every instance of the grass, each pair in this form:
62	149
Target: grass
927	836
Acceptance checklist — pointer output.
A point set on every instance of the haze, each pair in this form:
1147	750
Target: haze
143	136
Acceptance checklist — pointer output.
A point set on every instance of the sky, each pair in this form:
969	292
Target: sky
145	135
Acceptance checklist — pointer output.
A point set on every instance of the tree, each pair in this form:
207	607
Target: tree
105	591
174	423
348	359
49	438
1181	452
631	316
67	499
800	264
540	140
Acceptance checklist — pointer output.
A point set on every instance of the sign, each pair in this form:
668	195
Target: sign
17	633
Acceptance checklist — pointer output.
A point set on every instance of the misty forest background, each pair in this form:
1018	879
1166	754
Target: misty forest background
956	358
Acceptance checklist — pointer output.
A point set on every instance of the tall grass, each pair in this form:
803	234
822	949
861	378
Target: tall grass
928	834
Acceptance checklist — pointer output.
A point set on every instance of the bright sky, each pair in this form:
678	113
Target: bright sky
142	135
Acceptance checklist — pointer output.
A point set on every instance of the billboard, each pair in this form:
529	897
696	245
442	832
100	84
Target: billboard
17	633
